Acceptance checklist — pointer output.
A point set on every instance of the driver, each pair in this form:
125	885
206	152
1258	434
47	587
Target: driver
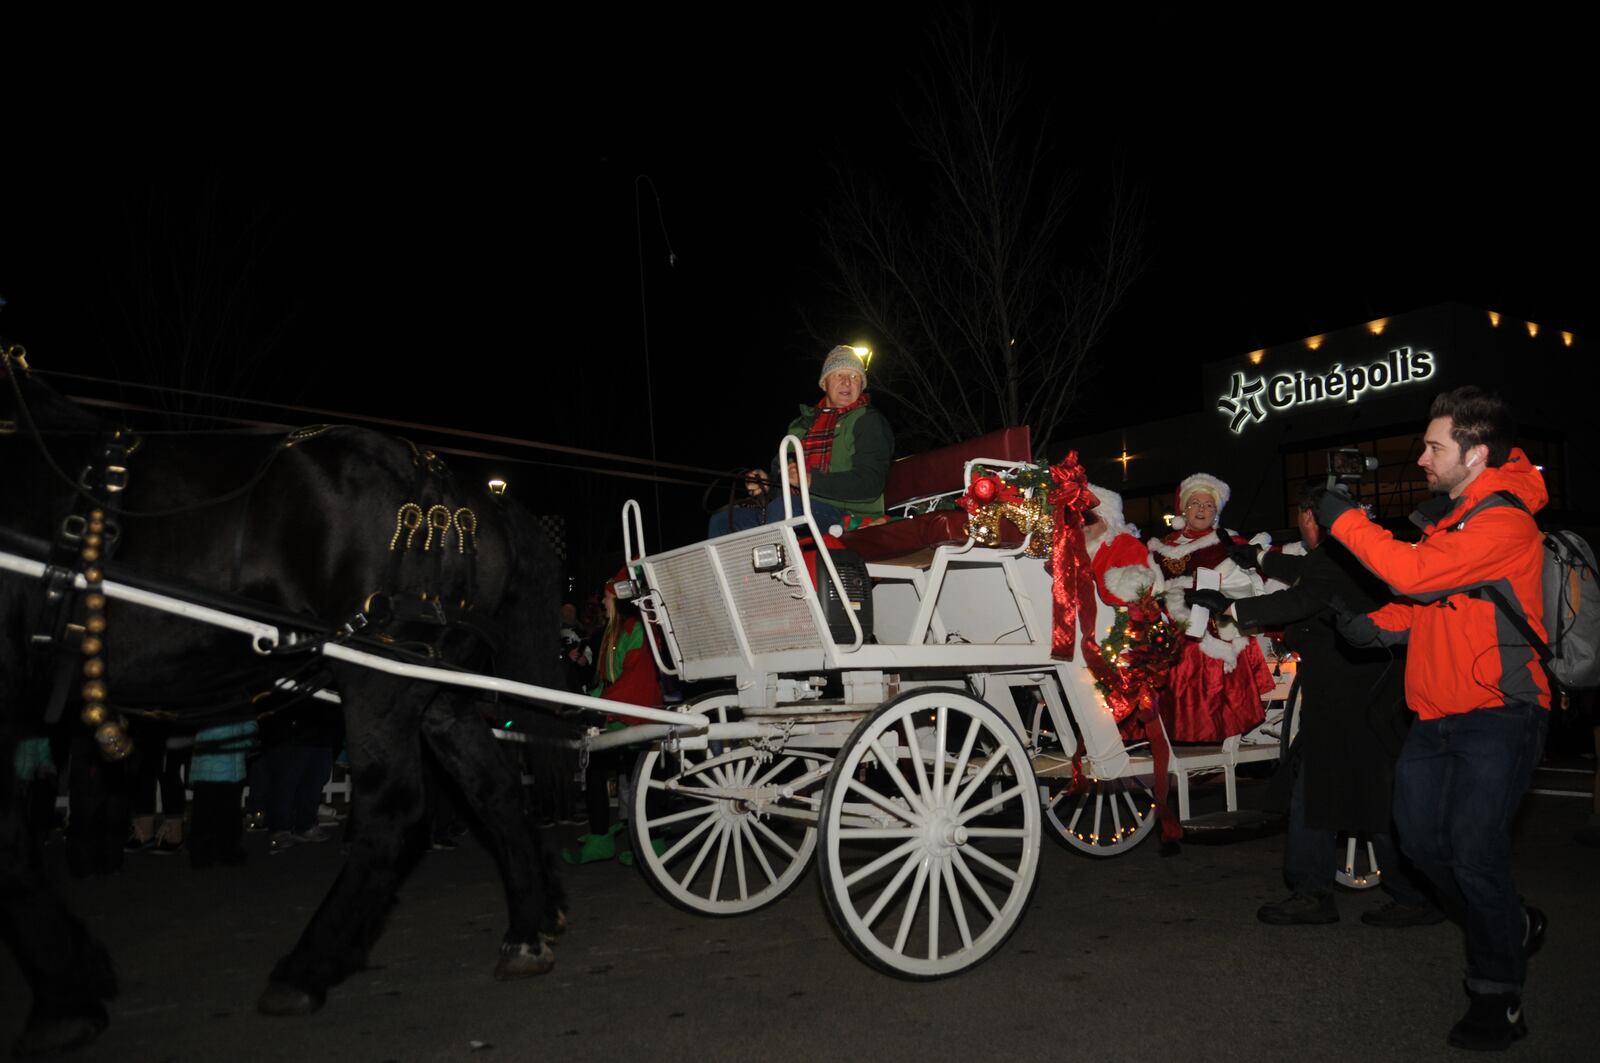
848	447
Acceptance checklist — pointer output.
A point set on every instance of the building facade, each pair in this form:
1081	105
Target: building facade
1266	421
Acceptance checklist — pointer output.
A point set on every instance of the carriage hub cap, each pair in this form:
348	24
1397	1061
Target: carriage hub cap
945	833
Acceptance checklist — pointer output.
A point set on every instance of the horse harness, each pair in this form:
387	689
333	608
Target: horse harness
88	535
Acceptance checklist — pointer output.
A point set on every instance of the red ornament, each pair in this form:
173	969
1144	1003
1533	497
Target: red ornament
984	487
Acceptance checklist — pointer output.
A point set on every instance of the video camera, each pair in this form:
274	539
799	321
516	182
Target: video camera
1347	465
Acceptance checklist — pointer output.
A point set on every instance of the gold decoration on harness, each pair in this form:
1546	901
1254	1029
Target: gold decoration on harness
438	521
466	523
407	518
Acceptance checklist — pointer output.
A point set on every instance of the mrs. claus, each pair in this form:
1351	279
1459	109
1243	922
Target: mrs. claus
1215	689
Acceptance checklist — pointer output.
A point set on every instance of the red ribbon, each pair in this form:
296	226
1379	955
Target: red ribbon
1072	577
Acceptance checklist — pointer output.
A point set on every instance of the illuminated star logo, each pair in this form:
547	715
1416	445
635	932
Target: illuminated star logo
1243	402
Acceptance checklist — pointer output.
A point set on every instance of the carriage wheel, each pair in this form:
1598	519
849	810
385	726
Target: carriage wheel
928	860
716	854
1106	817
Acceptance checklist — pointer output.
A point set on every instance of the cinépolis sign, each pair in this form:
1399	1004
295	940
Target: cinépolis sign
1250	400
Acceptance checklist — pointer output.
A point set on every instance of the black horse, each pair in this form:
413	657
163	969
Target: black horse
338	528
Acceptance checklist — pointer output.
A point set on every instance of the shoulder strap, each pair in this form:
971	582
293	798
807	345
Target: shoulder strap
1498	597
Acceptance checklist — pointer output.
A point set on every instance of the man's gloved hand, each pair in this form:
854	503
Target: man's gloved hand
1334	503
1215	601
1245	555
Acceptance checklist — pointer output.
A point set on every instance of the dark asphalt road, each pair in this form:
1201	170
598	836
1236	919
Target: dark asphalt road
1134	958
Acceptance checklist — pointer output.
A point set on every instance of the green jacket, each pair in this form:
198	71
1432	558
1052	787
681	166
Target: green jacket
863	448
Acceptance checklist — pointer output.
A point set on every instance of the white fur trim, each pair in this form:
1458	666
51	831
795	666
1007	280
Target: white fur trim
1184	548
1112	522
1129	582
1218	649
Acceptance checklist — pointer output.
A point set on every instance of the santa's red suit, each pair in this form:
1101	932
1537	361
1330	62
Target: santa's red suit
1215	689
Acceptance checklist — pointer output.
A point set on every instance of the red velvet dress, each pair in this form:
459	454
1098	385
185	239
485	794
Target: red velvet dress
1215	689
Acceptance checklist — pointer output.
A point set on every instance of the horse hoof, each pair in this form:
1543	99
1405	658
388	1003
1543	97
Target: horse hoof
280	999
549	936
50	1037
521	960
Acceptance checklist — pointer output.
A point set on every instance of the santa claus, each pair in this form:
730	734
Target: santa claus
1215	689
1123	571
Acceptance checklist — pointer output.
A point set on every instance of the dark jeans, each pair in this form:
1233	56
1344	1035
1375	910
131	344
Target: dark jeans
743	517
1457	784
294	777
1311	857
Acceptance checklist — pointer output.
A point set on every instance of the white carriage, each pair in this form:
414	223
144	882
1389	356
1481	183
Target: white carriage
916	757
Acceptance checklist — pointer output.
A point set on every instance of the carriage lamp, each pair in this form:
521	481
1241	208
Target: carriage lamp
626	590
767	557
497	487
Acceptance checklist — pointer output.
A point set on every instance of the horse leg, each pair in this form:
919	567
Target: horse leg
68	971
492	787
382	716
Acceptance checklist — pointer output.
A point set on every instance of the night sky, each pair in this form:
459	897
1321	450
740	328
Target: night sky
438	223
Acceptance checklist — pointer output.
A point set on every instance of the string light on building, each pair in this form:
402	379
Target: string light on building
1533	330
1494	319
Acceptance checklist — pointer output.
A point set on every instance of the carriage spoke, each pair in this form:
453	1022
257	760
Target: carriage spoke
722	861
988	861
913	900
1099	807
935	880
772	837
974	885
677	817
960	766
1116	818
941	730
917	806
959	910
736	839
994	802
891	889
773	774
914	752
1077	811
683	843
755	847
883	861
885	803
977	782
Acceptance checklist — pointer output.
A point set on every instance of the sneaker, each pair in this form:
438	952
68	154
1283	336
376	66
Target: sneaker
280	841
1300	909
327	814
314	833
1491	1023
1536	923
1394	916
255	821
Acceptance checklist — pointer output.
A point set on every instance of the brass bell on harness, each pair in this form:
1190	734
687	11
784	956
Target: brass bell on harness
95	625
95	690
94	668
113	741
94	715
91	646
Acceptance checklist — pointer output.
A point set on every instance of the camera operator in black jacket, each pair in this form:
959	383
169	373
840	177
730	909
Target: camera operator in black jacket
1339	771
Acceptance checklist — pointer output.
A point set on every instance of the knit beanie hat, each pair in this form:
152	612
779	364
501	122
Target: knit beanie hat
842	358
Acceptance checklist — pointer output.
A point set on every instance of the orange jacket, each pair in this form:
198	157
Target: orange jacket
1463	654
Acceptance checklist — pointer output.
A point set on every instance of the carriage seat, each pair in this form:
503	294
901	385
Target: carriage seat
921	480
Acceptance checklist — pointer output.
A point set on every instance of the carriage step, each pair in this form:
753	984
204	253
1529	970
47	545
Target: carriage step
1239	821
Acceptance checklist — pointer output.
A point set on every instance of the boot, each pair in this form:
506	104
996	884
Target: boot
1300	909
1492	1022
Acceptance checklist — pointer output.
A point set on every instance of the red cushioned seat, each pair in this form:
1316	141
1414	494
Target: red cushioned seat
935	472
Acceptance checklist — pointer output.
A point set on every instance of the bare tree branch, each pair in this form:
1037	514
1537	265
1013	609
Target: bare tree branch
984	307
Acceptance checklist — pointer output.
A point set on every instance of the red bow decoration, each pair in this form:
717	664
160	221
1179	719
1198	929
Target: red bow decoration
1072	577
